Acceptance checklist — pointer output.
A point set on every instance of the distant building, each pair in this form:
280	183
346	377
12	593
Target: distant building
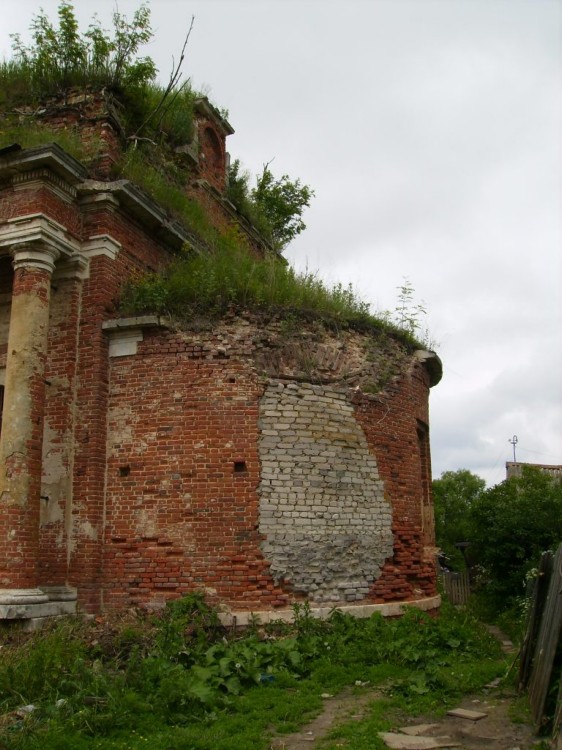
515	469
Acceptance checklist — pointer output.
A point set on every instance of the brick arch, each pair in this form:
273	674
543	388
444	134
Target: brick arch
213	153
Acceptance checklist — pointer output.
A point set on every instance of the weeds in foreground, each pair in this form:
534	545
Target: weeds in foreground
176	680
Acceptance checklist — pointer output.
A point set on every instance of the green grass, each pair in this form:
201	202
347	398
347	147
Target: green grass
164	181
229	278
174	681
227	275
29	134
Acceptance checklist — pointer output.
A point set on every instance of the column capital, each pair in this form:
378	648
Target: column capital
32	230
35	255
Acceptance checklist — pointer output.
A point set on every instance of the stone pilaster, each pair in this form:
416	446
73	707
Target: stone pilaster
22	427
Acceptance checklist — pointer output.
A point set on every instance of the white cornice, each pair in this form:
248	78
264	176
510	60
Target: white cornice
37	178
101	244
37	228
73	267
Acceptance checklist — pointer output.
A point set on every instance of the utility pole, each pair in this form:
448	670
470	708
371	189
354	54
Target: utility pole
514	442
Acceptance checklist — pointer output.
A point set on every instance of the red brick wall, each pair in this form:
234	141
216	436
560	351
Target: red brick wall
180	517
39	199
100	294
391	421
212	154
77	374
150	461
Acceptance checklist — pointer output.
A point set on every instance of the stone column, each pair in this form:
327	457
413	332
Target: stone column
22	428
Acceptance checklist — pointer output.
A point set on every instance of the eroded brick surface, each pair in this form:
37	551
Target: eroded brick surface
260	459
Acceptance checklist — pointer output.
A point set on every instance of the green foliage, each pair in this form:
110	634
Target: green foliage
409	315
512	524
172	124
50	666
238	191
282	202
162	181
414	640
453	495
507	527
408	312
31	134
228	276
210	284
175	680
189	619
274	206
60	57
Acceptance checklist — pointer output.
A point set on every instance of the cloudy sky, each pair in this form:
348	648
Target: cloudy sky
431	132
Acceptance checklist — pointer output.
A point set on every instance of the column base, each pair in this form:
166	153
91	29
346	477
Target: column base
27	604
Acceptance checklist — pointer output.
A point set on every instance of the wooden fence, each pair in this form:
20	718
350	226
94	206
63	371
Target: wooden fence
456	586
539	649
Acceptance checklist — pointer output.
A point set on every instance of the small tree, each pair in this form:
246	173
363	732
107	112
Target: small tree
274	206
61	57
238	190
282	202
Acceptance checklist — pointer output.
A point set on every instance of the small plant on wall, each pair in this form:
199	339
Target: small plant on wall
411	316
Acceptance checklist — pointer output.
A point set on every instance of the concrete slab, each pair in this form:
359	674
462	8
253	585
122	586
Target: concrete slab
418	729
405	742
465	713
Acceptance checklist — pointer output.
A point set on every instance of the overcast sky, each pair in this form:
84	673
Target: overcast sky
431	132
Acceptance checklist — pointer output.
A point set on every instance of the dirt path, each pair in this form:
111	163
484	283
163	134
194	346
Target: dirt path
347	706
496	731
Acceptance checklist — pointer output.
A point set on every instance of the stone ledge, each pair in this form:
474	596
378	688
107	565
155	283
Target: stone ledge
242	618
23	596
433	365
28	611
26	604
139	321
60	593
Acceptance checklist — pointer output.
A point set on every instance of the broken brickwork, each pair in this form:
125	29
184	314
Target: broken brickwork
259	461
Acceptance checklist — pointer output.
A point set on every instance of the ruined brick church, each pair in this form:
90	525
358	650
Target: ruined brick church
141	459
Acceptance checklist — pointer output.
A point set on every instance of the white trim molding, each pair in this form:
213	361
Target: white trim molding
101	244
37	228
